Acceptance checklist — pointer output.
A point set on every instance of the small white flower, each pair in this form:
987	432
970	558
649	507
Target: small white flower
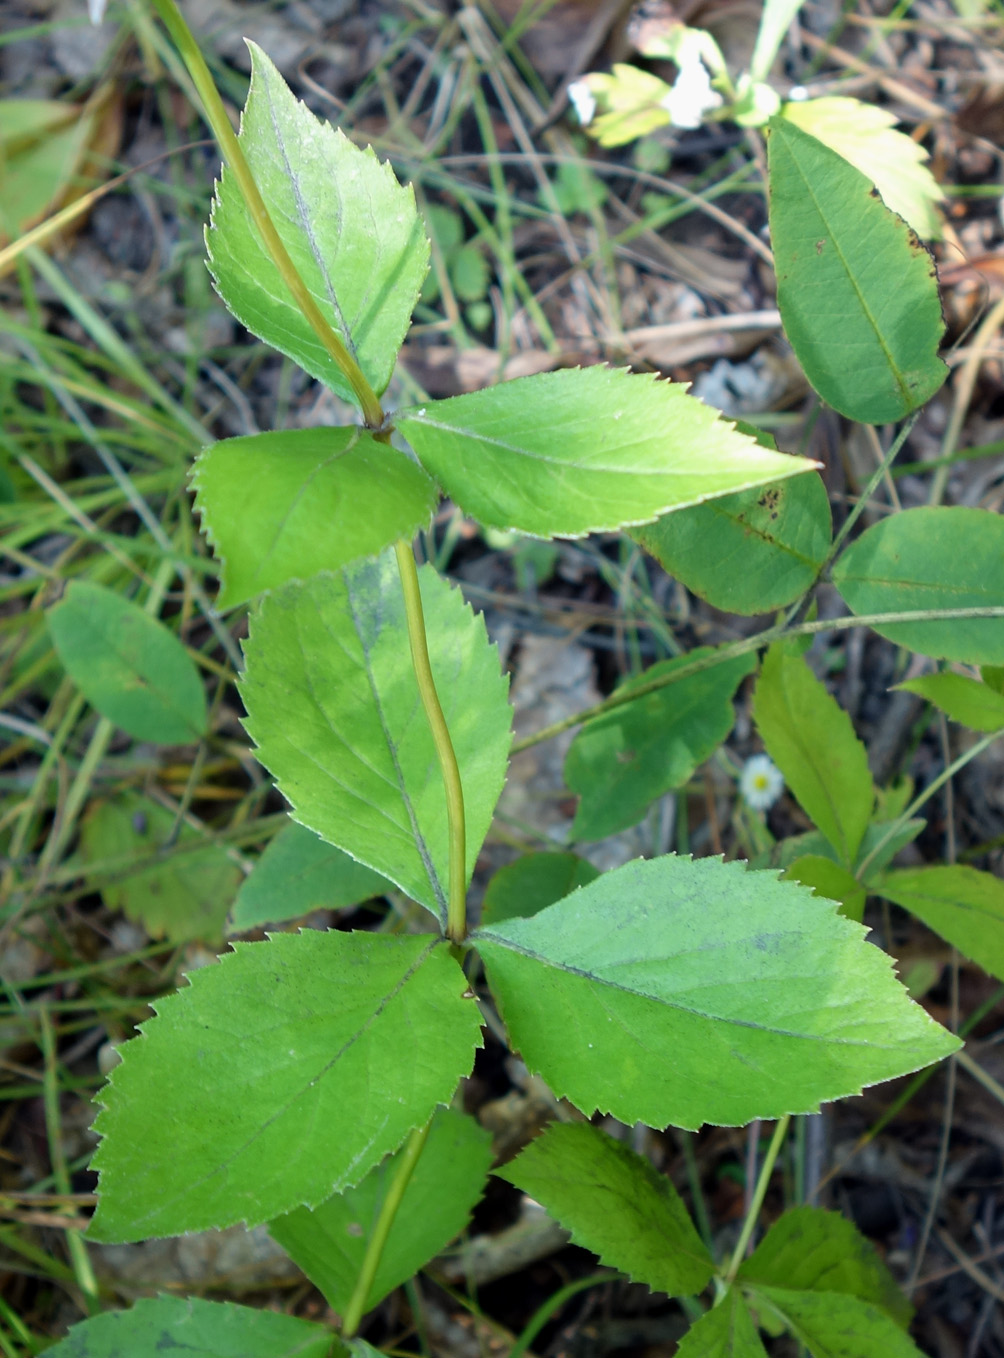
582	100
760	783
691	96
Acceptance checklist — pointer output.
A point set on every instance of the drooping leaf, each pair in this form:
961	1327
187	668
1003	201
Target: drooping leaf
811	1250
184	895
620	762
534	882
866	135
831	880
279	1076
570	452
128	666
298	873
833	1325
349	227
615	1203
811	740
330	1242
937	557
726	1331
680	991
747	553
857	292
970	702
200	1329
334	707
962	904
284	506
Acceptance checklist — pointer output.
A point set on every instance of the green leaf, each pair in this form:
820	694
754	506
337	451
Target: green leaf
621	762
185	895
811	740
962	904
790	850
747	553
349	227
931	558
127	665
279	1076
811	1250
203	1329
858	293
832	1325
284	506
532	883
333	706
615	1203
831	880
866	135
566	453
469	273
777	18
298	873
726	1331
680	991
329	1243
968	701
628	102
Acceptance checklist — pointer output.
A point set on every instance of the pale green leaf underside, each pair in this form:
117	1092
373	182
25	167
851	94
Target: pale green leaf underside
283	506
726	1331
812	741
866	135
330	1242
962	904
299	872
833	1325
280	1075
614	1202
351	230
857	292
200	1329
747	553
680	991
622	761
581	450
937	558
811	1250
334	708
127	665
967	701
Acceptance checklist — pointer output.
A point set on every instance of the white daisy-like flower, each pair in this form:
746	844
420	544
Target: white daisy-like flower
760	783
583	101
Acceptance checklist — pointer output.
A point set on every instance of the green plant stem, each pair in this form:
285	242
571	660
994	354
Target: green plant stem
864	499
233	154
456	917
551	1306
749	1225
82	1270
413	1148
923	796
754	643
